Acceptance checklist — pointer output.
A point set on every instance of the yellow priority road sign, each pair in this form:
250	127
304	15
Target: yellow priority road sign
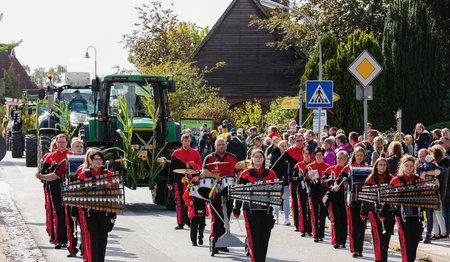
365	68
293	103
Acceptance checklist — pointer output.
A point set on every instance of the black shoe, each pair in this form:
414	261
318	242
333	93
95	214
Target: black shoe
356	254
435	237
179	227
64	245
194	243
200	240
316	240
297	230
303	234
427	239
320	239
85	260
58	246
72	254
337	246
52	240
223	249
310	234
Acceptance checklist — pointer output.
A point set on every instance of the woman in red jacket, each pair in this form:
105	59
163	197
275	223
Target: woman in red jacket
381	220
408	218
258	219
197	210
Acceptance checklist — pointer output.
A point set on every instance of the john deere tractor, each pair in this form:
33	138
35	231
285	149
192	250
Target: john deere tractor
124	99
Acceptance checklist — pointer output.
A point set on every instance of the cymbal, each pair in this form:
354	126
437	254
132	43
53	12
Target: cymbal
186	171
217	163
245	164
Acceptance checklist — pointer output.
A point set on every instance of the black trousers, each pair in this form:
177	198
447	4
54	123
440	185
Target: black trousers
409	233
294	203
338	217
259	224
356	228
71	228
217	225
318	215
182	214
197	225
59	214
380	240
97	237
304	212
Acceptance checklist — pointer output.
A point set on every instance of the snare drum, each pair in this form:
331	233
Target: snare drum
205	184
226	182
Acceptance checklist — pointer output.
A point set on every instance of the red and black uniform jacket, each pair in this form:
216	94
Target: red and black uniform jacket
329	179
55	162
315	187
293	155
179	159
375	180
252	175
403	180
300	170
198	207
225	170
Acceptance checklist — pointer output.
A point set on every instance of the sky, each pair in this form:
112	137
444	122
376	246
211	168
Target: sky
59	32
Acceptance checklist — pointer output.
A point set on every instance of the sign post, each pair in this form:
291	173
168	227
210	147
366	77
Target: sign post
319	94
365	68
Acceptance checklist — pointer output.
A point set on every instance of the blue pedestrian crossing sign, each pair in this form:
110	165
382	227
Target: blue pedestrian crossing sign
319	94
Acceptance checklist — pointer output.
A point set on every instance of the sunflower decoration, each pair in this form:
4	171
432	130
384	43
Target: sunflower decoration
143	157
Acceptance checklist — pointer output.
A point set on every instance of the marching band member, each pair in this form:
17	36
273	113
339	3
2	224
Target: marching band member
197	211
356	226
302	193
258	219
77	149
382	221
97	223
184	157
336	201
315	172
54	178
293	155
225	170
49	218
408	218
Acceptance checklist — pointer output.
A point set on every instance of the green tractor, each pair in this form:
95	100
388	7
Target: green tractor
121	100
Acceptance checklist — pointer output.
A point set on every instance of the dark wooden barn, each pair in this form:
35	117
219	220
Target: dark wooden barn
253	69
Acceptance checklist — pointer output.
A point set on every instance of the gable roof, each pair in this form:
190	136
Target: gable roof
6	60
219	22
252	68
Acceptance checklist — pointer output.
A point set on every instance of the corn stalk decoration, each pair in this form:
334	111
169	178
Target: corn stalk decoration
28	120
63	113
138	164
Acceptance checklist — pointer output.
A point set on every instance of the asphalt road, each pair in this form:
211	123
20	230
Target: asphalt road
145	231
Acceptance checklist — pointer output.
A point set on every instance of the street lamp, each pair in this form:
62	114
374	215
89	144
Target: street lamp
95	57
274	5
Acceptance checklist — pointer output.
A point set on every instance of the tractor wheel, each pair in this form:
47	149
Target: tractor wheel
17	145
8	141
2	148
159	193
30	151
43	147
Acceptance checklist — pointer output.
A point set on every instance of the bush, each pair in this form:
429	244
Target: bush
278	116
250	114
216	107
439	125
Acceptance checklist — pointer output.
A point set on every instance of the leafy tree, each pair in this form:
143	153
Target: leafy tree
40	74
7	47
411	47
160	37
215	107
250	114
348	113
192	88
278	116
339	17
11	83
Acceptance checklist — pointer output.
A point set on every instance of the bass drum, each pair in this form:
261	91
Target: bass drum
356	179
